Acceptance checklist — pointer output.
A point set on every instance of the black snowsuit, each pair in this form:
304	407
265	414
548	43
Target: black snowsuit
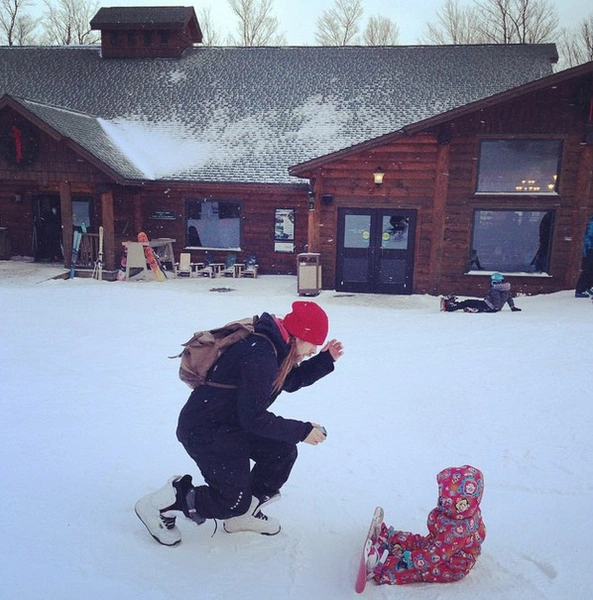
223	429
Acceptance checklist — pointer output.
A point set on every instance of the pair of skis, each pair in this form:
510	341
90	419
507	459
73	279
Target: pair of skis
98	268
76	239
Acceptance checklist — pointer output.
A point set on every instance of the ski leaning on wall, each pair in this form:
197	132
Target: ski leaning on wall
76	239
98	269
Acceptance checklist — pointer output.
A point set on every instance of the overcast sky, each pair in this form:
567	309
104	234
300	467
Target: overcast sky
298	17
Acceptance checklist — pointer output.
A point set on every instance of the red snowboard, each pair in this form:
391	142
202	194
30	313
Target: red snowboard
374	530
151	258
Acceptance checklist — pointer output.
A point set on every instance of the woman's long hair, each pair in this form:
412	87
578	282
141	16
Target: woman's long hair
287	365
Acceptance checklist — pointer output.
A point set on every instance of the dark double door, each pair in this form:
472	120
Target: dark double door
375	250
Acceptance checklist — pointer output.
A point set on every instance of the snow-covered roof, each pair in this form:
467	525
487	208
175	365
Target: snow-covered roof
247	114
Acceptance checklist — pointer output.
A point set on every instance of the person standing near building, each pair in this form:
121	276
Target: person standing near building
584	286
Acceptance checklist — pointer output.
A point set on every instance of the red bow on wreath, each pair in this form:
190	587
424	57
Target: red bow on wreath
18	143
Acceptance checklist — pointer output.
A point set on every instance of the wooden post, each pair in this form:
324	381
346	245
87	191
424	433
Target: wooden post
67	222
441	183
109	255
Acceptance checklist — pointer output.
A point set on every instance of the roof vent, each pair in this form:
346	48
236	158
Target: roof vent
147	32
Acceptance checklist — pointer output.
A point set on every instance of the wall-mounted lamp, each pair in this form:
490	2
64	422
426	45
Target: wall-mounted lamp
311	201
378	176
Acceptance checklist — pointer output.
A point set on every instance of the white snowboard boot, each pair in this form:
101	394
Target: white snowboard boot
151	510
253	520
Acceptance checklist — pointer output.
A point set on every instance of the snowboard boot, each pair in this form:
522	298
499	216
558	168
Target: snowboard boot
156	510
254	520
448	303
375	558
267	499
152	509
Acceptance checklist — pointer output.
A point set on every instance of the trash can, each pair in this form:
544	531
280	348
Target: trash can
308	274
5	249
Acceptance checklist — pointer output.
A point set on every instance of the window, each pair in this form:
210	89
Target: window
511	241
214	224
131	37
519	166
148	38
164	37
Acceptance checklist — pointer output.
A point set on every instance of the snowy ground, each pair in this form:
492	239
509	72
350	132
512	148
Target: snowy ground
89	408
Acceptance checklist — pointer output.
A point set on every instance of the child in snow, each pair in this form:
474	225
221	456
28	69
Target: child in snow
453	544
498	295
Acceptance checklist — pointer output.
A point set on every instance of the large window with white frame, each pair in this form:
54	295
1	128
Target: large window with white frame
519	166
512	241
214	224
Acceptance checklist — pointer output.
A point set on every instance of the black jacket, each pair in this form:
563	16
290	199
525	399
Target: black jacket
252	365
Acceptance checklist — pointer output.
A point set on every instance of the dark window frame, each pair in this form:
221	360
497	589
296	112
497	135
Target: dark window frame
533	166
522	244
225	209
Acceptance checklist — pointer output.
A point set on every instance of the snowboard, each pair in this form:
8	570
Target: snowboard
151	258
374	529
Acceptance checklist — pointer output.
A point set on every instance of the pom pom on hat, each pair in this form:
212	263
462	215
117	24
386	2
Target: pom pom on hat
308	322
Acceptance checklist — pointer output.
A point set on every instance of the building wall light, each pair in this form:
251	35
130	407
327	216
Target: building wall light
378	176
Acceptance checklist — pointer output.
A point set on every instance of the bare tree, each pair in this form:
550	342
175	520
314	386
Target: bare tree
209	35
257	26
381	31
24	34
454	25
67	22
517	21
15	25
339	25
576	46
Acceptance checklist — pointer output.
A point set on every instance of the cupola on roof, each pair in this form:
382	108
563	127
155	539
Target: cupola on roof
141	32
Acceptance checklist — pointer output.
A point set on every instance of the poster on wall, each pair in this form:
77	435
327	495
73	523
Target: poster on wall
284	230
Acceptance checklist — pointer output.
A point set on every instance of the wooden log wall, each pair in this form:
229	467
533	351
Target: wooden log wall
258	204
439	181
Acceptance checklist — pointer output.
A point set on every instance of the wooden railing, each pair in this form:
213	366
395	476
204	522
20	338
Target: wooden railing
89	250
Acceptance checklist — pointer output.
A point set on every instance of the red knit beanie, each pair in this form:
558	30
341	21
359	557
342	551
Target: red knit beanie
308	322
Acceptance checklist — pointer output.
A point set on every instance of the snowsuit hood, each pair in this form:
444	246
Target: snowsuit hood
460	491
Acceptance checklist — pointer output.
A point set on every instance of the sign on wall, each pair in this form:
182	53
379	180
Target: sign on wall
284	230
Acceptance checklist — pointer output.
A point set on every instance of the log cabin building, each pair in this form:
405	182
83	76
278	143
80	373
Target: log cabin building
408	169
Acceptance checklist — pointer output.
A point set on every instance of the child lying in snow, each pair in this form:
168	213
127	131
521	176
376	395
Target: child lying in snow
453	544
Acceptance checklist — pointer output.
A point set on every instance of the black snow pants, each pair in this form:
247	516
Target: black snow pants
224	457
472	305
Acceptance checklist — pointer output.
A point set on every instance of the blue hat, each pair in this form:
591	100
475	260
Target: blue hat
497	277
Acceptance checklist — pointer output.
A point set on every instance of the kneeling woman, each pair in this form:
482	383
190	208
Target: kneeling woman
226	424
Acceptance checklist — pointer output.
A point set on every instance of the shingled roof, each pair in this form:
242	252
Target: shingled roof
149	17
248	114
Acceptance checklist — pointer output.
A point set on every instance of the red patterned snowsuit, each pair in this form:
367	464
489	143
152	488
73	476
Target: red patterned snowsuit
456	533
